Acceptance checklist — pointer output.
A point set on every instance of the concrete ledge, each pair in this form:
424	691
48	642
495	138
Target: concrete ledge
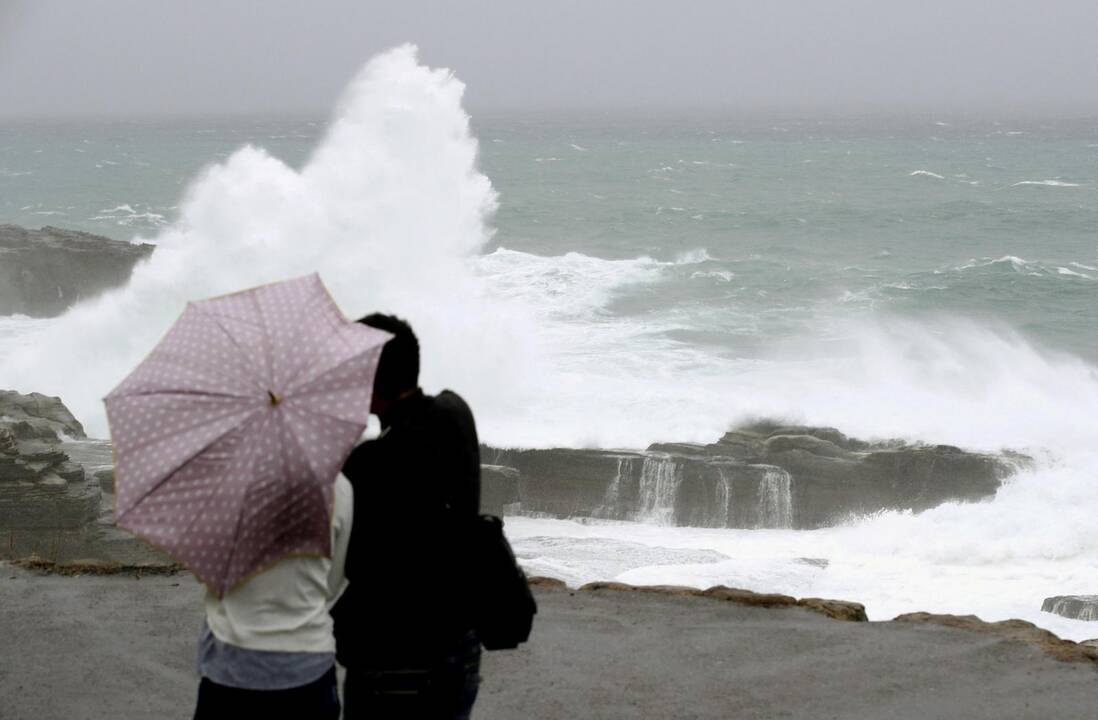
837	609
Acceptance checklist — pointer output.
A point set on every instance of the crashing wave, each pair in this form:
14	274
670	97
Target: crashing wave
389	208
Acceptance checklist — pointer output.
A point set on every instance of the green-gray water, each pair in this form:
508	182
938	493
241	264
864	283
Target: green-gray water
802	223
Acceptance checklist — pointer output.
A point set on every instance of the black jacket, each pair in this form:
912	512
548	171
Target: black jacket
416	486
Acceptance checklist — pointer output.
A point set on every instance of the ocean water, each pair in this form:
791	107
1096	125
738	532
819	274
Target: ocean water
613	281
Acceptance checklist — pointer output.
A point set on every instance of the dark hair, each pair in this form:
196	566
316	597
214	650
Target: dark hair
398	368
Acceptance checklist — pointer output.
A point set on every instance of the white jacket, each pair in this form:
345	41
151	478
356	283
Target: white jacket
285	608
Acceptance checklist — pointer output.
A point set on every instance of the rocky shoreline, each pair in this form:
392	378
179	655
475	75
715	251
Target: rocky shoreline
53	479
1015	630
1076	607
56	497
46	271
41	487
56	488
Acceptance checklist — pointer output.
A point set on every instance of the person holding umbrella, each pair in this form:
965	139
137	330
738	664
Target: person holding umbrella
229	438
266	646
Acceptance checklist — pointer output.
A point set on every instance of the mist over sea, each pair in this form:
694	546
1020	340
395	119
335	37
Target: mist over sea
613	281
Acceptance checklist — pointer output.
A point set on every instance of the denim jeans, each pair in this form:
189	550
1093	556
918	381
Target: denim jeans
318	699
445	691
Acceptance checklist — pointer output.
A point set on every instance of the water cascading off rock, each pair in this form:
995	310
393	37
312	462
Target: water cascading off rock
760	476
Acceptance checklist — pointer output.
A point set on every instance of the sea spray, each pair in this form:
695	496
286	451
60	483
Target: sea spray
388	209
938	380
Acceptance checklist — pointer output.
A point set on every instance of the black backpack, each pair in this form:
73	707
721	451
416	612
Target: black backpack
504	607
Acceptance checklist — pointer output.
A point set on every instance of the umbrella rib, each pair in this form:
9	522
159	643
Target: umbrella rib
302	364
300	443
330	481
268	346
243	351
185	460
304	389
199	423
330	416
205	504
208	369
198	309
182	392
292	435
240	515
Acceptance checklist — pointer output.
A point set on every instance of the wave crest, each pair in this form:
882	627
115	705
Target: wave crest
388	209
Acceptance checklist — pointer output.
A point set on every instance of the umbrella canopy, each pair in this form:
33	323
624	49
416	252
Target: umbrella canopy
228	437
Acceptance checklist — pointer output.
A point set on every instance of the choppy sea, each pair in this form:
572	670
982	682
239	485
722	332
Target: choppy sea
615	280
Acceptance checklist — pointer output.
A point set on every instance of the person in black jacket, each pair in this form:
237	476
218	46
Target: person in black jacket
404	627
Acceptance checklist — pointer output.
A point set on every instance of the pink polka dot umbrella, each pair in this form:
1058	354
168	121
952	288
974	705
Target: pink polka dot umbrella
228	437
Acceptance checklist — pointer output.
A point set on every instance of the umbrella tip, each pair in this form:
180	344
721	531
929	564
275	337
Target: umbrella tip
275	400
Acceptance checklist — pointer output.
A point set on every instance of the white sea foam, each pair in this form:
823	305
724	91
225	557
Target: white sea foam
1073	273
693	257
722	275
571	286
889	579
20	331
1046	183
127	216
942	381
926	173
945	380
1026	267
1016	263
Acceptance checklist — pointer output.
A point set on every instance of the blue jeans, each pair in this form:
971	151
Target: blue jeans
318	700
445	691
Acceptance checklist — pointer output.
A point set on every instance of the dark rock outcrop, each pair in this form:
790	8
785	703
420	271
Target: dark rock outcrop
44	272
499	489
764	475
41	488
1076	607
35	416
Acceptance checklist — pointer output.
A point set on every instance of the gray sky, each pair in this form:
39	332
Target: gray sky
129	57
